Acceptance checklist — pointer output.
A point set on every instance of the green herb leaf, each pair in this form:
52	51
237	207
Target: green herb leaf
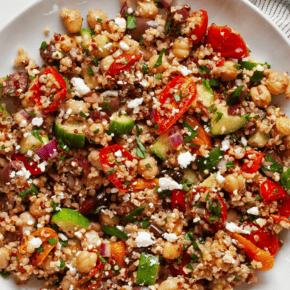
4	274
164	193
96	131
90	71
82	114
148	165
285	179
159	60
137	211
258	198
145	67
210	162
230	164
114	231
109	172
54	205
219	116
234	97
100	20
189	266
158	76
141	150
62	264
52	241
192	135
167	27
101	258
159	4
43	45
64	244
141	39
139	130
214	83
274	167
131	22
36	133
95	61
203	69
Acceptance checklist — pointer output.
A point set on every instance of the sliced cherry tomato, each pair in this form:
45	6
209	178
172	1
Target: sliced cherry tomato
285	208
141	184
122	63
200	29
108	162
30	165
56	98
227	41
270	190
179	93
255	253
255	158
184	261
280	220
178	199
118	253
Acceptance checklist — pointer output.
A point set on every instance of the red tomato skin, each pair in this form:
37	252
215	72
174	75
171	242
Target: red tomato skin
184	261
117	67
285	209
227	41
256	157
58	97
200	30
106	166
268	188
163	119
31	166
178	199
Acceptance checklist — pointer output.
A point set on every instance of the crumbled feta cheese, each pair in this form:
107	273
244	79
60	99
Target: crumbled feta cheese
261	222
37	121
124	46
121	21
228	257
12	174
42	166
220	178
170	237
185	71
118	153
254	210
80	86
23	123
184	159
197	197
108	45
197	219
239	82
29	153
62	237
69	111
23	172
244	141
225	145
168	184
259	68
144	240
35	242
114	190
232	227
135	104
130	10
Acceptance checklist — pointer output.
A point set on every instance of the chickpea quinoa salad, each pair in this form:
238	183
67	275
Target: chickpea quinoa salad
144	154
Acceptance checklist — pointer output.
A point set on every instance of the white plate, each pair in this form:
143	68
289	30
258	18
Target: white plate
262	37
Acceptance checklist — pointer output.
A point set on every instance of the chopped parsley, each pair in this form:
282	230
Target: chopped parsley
274	166
114	231
131	22
137	211
159	60
219	116
36	133
43	45
179	96
90	71
145	67
230	164
192	135
158	76
210	162
82	114
52	241
141	150
285	179
234	96
109	172
148	165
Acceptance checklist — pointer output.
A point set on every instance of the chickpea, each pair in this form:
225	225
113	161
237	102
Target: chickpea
261	96
27	221
234	182
75	108
94	182
4	258
86	261
134	46
107	220
97	127
72	20
91	238
67	43
147	168
287	93
36	208
106	63
181	48
94	15
258	140
283	126
170	251
46	266
103	43
228	71
169	284
232	215
161	68
147	54
147	9
66	283
276	83
93	158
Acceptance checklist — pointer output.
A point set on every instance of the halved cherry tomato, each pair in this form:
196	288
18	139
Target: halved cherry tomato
255	253
166	117
255	158
285	208
141	184
108	162
270	190
122	62
30	165
57	97
178	199
184	261
200	29
227	41
281	220
118	253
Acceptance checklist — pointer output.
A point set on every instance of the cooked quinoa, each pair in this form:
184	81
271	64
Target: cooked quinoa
146	153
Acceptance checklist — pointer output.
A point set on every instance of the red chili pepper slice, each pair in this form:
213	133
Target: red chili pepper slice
178	199
57	97
200	30
270	190
256	158
122	62
285	209
227	41
30	165
166	117
108	162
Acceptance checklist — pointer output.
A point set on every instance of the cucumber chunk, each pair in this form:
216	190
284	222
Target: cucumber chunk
147	270
211	181
31	143
121	125
162	147
222	123
66	134
204	95
189	176
70	221
4	112
258	140
87	33
32	190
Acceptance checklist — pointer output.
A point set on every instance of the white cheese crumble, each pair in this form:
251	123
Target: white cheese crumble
35	242
62	237
37	121
108	45
185	71
80	86
232	227
225	145
220	178
121	21
184	159
197	219
168	184
118	153
254	210
170	237
23	172
228	257
42	166
124	46
244	141
144	240
134	104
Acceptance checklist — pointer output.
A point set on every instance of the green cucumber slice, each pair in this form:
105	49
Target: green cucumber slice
222	123
4	112
87	33
162	147
147	270
121	125
210	181
189	176
258	140
65	133
32	191
31	143
204	95
70	221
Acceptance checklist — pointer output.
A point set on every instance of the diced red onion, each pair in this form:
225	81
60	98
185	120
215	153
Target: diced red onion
151	116
142	24
82	162
28	117
88	206
124	8
105	250
234	110
175	136
98	115
54	176
165	3
48	151
6	171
